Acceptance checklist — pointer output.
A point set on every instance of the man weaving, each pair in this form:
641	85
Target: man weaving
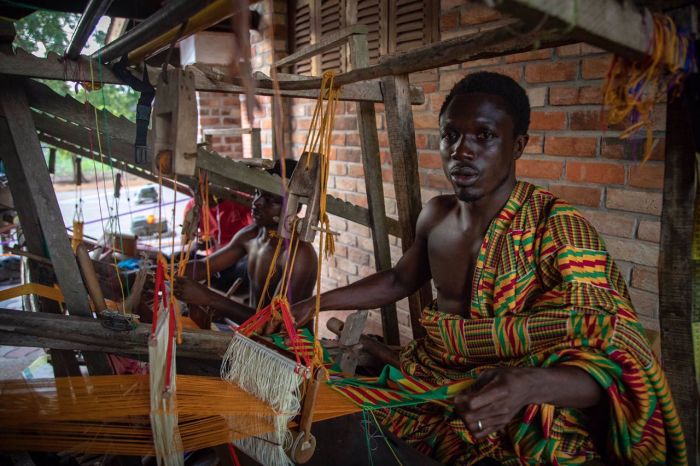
530	307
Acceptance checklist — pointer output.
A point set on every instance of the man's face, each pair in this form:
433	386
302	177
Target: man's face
266	209
478	146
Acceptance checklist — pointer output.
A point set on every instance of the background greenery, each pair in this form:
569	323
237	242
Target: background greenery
50	31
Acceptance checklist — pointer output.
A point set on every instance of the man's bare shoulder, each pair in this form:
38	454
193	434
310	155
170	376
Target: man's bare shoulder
435	211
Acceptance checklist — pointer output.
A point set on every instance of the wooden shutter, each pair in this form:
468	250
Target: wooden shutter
372	13
330	19
302	33
411	24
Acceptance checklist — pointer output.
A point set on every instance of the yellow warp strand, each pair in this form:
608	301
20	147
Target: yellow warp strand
632	88
77	234
110	414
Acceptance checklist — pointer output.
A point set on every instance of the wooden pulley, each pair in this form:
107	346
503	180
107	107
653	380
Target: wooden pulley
303	443
174	134
304	189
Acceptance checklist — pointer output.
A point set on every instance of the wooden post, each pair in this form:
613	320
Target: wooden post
404	162
676	284
367	125
36	182
63	361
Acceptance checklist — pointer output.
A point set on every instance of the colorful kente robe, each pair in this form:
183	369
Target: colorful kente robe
545	293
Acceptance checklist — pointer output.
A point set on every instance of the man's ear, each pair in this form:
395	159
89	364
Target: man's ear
519	146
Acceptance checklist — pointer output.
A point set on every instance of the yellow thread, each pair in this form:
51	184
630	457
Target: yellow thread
632	88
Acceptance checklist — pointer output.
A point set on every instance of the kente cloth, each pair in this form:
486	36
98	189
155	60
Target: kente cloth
545	293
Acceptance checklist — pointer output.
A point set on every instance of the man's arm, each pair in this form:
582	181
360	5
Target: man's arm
224	257
498	395
193	292
381	288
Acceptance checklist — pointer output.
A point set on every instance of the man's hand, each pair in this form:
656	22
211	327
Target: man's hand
191	292
495	399
303	311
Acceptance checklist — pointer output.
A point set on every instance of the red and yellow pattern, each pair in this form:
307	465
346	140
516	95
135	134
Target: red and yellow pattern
546	293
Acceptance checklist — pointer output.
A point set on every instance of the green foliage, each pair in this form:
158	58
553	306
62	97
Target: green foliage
50	31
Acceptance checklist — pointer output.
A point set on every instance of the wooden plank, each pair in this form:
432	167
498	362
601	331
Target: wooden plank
238	174
33	166
214	79
207	78
63	361
609	24
509	37
36	329
404	162
326	42
675	271
371	162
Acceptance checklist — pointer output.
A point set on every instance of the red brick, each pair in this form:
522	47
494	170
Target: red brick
575	95
647	175
578	195
358	257
534	144
547	120
611	223
449	21
337	168
546	169
616	148
438	181
579	147
345	184
481	63
587	120
595	172
472	14
355	170
429	160
427	120
542	54
549	72
645	303
429	141
644	202
570	50
645	278
595	68
649	231
357	199
637	252
348	154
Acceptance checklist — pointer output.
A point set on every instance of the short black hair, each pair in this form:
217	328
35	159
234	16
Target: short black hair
514	96
289	166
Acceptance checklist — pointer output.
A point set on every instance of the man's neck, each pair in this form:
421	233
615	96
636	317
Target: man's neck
482	211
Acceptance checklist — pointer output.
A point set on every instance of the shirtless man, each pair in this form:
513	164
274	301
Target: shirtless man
258	241
483	131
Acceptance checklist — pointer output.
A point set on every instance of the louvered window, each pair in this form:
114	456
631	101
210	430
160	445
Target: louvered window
393	26
302	33
407	29
330	20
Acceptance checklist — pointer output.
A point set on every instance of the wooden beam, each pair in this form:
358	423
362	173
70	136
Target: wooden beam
214	79
121	148
609	24
64	362
327	42
676	282
207	78
80	333
33	166
510	37
404	163
371	163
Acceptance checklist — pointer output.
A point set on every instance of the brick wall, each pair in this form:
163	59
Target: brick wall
572	152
